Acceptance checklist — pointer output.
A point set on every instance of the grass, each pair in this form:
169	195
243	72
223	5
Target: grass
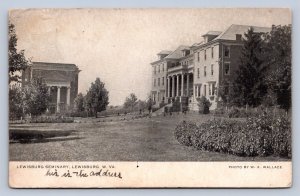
142	139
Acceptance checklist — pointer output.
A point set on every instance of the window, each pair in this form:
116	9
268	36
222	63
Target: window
226	89
158	81
204	54
158	68
204	71
227	68
204	89
209	89
238	37
213	87
226	51
163	67
212	52
163	80
154	69
154	83
198	72
212	70
198	56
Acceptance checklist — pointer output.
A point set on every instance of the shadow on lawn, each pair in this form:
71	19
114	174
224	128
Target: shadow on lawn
26	135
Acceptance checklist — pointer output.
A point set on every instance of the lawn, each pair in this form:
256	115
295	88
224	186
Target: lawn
113	139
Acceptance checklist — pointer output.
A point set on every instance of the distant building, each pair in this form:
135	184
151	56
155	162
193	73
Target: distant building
190	72
61	79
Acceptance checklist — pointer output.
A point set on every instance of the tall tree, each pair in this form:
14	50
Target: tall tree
35	97
97	97
248	87
130	101
278	61
16	59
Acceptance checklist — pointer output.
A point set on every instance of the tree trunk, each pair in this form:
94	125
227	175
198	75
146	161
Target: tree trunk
95	111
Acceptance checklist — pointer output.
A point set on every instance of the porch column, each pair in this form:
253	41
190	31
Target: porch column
177	79
194	92
49	90
168	87
182	80
58	100
31	73
173	85
187	84
68	96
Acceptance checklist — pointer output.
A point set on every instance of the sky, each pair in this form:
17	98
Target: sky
118	45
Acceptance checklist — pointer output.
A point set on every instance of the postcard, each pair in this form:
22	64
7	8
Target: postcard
150	98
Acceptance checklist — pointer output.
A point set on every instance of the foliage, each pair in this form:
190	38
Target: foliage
248	87
263	135
264	76
140	105
96	98
204	105
35	97
130	101
150	103
16	59
51	119
278	57
15	103
79	103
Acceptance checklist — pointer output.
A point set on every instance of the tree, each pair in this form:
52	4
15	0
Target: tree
150	103
278	62
15	103
141	105
17	61
249	87
130	101
96	99
79	103
35	97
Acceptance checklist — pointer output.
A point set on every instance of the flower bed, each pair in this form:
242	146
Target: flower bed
257	136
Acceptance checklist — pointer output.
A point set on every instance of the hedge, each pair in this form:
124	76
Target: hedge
257	136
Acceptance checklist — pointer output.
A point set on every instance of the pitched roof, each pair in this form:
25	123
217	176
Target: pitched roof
216	33
165	52
54	66
230	32
176	54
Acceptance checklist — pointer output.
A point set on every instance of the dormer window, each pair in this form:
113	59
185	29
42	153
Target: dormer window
238	37
205	39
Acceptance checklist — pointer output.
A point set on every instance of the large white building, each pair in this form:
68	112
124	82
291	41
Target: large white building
190	72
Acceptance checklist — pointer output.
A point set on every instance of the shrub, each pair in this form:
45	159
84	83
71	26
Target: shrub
184	131
263	135
48	119
204	105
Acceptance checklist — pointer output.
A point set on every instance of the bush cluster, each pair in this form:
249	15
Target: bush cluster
242	112
263	135
48	119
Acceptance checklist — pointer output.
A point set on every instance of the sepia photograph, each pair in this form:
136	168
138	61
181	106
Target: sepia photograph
122	92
